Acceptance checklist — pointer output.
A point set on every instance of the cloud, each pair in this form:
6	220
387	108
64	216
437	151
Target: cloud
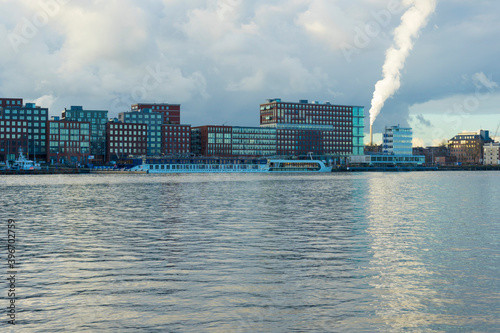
221	58
423	121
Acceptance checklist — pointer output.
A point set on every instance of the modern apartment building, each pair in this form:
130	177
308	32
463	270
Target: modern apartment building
22	127
68	142
97	120
176	139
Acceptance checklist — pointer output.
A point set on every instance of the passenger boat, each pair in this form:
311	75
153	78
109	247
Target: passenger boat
210	165
22	163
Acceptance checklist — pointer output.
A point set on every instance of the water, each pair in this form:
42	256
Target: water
367	252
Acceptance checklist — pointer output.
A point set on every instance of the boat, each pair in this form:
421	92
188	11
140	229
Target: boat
214	165
22	163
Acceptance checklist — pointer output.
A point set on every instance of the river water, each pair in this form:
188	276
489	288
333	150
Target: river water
365	252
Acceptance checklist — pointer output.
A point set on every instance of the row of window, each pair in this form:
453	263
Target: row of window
26	111
12	102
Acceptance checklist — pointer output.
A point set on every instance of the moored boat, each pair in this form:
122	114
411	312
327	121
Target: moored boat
22	163
214	165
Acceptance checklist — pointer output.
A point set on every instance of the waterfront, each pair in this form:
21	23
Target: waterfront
368	252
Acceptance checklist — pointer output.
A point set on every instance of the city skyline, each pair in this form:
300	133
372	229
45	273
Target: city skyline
221	59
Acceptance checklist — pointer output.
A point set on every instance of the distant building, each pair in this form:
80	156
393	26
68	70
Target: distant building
321	128
154	122
229	141
435	155
491	153
97	120
22	127
125	139
397	141
176	139
68	142
467	147
11	102
396	150
171	112
373	149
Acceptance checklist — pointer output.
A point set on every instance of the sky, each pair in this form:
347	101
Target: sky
220	59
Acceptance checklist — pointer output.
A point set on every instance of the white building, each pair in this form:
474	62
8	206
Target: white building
491	153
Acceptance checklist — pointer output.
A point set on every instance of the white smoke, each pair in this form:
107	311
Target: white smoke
414	19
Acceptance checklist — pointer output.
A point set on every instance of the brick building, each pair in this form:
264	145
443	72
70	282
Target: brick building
176	139
321	128
154	122
31	121
467	147
125	139
171	112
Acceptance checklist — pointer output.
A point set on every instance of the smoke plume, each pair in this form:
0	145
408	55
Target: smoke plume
414	19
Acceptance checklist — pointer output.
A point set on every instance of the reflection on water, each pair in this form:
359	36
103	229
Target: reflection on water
256	253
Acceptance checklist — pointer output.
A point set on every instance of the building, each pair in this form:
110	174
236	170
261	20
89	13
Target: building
435	155
212	141
13	136
125	139
253	141
171	112
233	141
397	141
396	150
68	142
467	147
11	102
154	122
176	139
22	127
321	128
97	120
491	153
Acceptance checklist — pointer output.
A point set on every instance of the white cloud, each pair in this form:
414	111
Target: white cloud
100	54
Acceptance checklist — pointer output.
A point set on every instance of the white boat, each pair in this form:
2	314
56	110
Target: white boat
22	163
231	166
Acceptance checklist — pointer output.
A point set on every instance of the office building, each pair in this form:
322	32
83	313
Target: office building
319	128
233	141
397	141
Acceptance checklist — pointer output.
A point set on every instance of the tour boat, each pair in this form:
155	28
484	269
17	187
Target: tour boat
210	165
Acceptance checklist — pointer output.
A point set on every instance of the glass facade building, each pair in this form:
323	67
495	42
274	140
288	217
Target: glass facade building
97	120
397	141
